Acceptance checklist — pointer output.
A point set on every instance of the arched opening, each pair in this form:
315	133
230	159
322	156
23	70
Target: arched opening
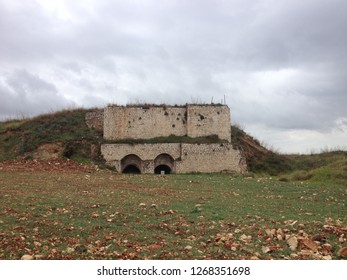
131	169
131	164
164	163
162	169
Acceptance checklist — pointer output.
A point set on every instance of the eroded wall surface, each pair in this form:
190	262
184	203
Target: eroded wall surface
205	120
188	157
143	122
95	120
146	122
149	122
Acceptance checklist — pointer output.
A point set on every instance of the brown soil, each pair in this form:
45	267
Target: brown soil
61	165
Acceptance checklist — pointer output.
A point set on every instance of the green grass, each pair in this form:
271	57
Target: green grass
20	138
103	215
326	167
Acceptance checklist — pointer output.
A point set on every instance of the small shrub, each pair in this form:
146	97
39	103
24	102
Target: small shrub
301	176
283	179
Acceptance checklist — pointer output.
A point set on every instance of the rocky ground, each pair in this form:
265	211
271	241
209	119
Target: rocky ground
60	165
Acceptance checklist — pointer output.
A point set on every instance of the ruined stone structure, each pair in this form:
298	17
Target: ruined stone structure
122	124
95	120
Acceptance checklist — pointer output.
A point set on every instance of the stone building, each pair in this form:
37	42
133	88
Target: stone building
167	139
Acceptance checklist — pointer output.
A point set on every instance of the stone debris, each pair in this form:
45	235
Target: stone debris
292	242
310	244
342	252
61	165
27	257
188	248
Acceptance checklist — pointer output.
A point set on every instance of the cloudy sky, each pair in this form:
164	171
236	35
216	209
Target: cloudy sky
281	64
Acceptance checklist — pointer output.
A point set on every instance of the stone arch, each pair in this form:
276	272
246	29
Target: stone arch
164	163
131	164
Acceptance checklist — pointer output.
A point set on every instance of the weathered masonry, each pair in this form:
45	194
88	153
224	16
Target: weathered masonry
157	125
133	122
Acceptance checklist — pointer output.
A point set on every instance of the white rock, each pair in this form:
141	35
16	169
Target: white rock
27	257
292	242
188	248
265	249
70	250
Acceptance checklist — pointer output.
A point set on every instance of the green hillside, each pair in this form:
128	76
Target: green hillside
22	139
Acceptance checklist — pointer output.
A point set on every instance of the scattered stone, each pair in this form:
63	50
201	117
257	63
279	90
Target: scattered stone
27	257
37	244
310	244
280	232
95	214
154	247
318	237
265	249
327	247
188	248
192	237
292	242
70	250
108	237
142	205
245	238
198	207
342	239
342	252
293	223
155	206
39	257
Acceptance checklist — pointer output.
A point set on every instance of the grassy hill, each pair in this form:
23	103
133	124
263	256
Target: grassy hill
66	135
21	138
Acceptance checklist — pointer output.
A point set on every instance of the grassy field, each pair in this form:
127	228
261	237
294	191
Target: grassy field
103	215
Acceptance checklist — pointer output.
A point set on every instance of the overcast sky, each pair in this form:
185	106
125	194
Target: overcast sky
281	64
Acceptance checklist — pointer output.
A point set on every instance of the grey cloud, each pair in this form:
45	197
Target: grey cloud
179	51
24	94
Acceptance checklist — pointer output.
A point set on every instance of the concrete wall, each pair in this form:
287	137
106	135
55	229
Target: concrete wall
136	122
188	157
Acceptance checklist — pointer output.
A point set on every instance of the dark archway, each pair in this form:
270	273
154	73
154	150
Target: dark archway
165	163
131	169
162	168
131	164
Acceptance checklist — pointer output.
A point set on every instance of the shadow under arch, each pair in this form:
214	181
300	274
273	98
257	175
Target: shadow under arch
131	164
164	163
